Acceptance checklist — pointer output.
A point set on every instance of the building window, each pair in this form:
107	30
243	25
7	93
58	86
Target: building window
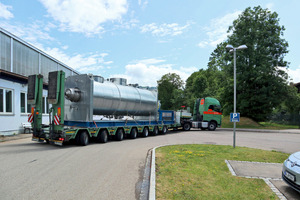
45	105
23	102
6	101
1	100
25	107
28	106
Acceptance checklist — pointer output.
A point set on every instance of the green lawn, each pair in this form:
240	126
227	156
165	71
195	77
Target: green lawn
200	172
249	123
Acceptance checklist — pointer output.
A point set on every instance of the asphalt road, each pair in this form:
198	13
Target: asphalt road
30	170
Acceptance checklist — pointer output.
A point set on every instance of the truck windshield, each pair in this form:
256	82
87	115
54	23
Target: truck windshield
217	108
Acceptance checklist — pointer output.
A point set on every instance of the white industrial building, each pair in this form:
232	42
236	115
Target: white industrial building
18	60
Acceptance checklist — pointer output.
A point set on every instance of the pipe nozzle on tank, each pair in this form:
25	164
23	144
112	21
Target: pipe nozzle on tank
73	94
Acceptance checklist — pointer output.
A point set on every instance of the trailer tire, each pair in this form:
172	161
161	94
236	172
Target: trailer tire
164	130
102	137
155	131
133	133
145	132
84	138
186	126
212	126
120	134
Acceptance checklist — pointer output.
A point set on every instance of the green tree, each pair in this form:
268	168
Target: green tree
261	84
170	91
204	83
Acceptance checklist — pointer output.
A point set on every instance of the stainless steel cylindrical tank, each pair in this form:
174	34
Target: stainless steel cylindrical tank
86	97
114	99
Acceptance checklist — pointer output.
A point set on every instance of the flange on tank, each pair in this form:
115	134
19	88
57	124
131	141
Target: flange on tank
86	97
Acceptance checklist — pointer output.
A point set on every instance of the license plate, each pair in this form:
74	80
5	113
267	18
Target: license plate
289	176
58	143
37	139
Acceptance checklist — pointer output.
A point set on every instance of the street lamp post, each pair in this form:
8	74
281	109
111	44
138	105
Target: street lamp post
234	83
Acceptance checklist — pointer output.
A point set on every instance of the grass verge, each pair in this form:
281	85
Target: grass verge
249	123
200	172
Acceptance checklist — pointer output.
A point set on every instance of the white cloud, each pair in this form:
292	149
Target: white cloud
143	4
83	63
294	74
85	16
164	29
30	33
270	6
217	30
147	72
4	11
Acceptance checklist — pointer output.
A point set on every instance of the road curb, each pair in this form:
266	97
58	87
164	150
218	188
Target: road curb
291	131
152	194
152	173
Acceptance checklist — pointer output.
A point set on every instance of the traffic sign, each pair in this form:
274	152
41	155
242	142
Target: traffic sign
234	117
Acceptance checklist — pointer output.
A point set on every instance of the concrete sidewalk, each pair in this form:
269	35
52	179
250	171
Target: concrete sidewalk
14	137
269	172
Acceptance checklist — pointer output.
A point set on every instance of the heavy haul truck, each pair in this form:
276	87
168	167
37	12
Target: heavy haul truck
129	111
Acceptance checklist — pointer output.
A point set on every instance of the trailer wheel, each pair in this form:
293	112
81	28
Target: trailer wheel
155	130
186	126
84	138
120	135
102	137
133	133
164	130
212	126
145	132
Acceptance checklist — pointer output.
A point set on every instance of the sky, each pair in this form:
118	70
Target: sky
140	40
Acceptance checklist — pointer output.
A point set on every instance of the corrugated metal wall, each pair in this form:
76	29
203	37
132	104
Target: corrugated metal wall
22	58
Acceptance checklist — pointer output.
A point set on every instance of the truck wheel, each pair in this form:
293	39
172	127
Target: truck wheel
102	137
84	138
186	126
155	131
164	130
133	133
120	135
145	132
212	126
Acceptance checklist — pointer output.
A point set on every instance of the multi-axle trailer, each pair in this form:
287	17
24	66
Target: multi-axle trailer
125	111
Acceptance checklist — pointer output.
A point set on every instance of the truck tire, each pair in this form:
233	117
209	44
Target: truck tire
164	130
145	132
119	135
133	133
212	126
186	126
84	138
102	137
155	131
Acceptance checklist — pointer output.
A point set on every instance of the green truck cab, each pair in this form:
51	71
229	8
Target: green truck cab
207	114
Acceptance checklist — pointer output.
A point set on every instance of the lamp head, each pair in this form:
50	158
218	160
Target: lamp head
229	46
242	47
